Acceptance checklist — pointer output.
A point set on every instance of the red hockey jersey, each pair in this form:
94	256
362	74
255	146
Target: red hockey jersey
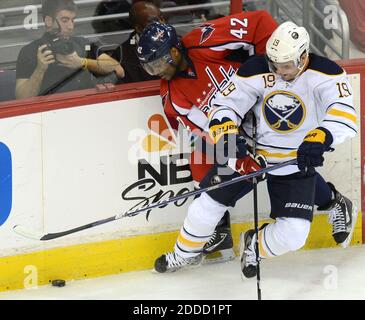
214	52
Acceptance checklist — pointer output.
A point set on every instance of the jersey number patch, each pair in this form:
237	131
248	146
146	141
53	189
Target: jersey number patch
239	33
269	80
343	90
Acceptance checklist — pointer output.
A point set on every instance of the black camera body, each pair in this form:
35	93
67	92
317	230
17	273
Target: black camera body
59	45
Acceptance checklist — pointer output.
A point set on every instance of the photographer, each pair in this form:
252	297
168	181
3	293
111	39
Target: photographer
60	62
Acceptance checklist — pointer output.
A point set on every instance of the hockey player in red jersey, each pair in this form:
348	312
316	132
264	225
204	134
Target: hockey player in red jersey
193	69
203	61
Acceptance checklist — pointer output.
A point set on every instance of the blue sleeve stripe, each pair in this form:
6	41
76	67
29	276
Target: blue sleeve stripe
341	123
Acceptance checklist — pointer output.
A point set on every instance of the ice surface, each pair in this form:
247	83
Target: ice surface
316	274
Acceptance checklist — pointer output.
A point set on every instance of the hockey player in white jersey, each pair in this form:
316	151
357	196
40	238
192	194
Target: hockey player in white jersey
303	106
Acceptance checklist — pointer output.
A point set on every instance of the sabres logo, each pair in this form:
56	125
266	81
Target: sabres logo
207	31
283	111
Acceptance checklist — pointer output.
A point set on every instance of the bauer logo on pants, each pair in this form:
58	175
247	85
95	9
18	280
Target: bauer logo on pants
5	183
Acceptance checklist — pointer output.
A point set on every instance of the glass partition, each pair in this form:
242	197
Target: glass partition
94	42
336	27
80	45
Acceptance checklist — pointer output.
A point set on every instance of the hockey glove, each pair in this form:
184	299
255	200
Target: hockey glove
310	152
249	164
234	148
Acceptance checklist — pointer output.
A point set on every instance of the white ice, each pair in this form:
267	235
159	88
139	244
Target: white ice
316	274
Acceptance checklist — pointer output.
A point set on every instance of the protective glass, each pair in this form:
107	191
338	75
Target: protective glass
157	66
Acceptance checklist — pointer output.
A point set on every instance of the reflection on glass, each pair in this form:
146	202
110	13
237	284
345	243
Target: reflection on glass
95	25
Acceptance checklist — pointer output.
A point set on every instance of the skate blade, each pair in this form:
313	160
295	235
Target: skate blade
219	256
346	243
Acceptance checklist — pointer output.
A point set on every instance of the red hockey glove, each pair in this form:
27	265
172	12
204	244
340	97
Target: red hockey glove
249	164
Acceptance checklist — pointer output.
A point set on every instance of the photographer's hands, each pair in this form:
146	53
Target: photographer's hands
45	57
72	61
103	65
30	87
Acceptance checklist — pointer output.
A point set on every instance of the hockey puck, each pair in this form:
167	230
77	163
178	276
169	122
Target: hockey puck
58	283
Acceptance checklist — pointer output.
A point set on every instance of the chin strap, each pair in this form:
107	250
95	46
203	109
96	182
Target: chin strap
303	67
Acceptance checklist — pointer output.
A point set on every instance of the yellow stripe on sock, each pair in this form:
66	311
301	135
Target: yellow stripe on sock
263	253
189	243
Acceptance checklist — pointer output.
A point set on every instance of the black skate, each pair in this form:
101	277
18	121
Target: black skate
342	216
171	261
247	254
219	248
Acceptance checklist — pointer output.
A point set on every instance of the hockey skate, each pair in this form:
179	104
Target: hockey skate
247	254
219	248
171	261
342	216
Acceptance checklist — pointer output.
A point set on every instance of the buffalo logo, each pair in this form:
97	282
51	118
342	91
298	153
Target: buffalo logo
283	111
207	31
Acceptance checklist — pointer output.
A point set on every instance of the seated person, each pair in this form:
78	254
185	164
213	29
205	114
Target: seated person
141	14
58	61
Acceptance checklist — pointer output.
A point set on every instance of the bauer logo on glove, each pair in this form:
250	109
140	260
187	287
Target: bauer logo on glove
310	152
221	128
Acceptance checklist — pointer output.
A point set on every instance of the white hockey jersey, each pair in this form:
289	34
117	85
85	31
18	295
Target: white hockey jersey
286	111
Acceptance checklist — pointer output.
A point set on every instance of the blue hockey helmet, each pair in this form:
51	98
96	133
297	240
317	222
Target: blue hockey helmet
154	46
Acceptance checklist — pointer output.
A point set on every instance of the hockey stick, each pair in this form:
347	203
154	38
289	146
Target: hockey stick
48	236
255	211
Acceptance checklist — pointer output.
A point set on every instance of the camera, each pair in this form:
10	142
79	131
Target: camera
61	46
58	44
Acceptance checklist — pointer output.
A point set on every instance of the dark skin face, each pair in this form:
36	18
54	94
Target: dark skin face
179	65
146	13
